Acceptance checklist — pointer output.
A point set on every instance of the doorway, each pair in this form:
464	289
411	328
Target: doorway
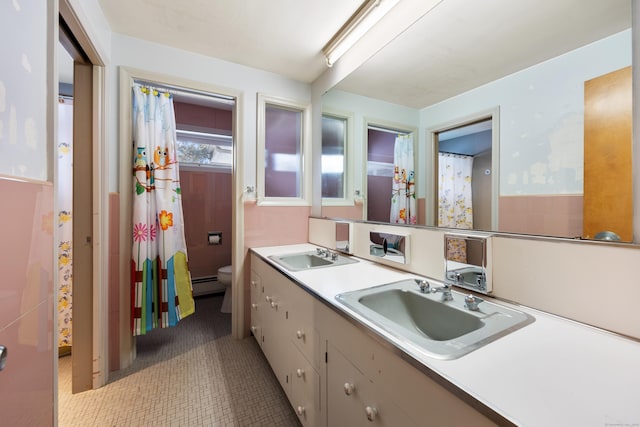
185	90
466	172
380	172
81	81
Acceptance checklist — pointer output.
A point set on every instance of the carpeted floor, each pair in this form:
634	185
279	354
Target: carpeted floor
195	374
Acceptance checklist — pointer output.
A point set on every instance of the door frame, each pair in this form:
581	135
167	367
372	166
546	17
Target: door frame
97	297
432	161
127	76
391	127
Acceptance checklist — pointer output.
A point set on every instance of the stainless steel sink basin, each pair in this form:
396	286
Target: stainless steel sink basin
424	323
310	260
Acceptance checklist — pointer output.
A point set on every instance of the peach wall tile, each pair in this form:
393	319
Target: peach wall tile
343	212
542	215
206	204
26	303
275	225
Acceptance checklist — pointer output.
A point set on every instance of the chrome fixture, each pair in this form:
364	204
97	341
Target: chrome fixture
446	292
467	261
392	247
343	237
471	302
424	286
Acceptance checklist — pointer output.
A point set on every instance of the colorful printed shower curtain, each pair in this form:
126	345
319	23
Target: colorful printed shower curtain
64	187
161	289
454	199
403	197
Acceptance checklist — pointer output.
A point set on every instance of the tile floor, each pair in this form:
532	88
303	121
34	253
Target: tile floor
195	374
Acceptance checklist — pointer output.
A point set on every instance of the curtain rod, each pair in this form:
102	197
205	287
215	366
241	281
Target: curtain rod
389	130
187	93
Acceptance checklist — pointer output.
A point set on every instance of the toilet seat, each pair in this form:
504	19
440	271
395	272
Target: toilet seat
224	275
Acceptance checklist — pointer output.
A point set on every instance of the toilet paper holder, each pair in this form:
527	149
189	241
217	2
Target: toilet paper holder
214	237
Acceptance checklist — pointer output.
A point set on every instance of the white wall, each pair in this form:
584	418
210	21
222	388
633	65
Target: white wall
541	117
23	85
139	54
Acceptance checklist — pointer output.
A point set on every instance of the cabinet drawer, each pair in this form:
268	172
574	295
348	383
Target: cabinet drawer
305	387
354	400
307	340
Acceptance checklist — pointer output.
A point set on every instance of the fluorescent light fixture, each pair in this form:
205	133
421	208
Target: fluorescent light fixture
367	15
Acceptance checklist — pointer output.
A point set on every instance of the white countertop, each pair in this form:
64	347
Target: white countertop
553	372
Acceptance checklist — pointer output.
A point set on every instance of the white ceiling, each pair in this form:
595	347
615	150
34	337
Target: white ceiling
457	46
282	36
462	44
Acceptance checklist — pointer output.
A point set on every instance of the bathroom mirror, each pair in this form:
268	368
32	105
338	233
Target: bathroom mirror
464	59
343	237
467	263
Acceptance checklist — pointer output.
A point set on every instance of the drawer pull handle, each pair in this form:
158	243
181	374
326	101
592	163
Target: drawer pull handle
300	335
268	298
300	373
300	410
254	306
274	304
371	412
349	389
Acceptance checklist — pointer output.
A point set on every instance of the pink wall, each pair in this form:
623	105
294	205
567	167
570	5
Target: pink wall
197	115
343	212
206	204
379	149
26	303
544	215
379	198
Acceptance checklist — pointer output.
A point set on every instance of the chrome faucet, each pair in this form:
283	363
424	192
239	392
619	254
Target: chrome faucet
446	292
425	288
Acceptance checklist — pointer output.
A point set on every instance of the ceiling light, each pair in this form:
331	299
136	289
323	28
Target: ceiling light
367	15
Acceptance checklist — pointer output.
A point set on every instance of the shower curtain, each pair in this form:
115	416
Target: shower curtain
403	198
454	199
64	188
161	284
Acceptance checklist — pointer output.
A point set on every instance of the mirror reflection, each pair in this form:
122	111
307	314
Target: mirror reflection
459	65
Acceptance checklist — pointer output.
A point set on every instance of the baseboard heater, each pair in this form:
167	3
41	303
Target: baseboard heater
206	285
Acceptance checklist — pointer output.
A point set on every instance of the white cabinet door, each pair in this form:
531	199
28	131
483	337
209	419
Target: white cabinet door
354	400
344	387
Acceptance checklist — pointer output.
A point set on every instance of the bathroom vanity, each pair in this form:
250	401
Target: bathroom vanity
337	368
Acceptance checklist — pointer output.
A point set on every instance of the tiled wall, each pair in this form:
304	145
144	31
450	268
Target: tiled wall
26	303
559	215
206	205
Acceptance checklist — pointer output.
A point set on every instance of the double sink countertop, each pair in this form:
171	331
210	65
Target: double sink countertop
551	372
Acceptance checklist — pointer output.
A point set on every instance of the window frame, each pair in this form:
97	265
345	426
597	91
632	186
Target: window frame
304	199
206	134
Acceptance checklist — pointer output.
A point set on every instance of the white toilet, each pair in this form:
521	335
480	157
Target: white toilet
224	277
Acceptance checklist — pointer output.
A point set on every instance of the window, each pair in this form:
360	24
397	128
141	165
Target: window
334	143
203	149
282	157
